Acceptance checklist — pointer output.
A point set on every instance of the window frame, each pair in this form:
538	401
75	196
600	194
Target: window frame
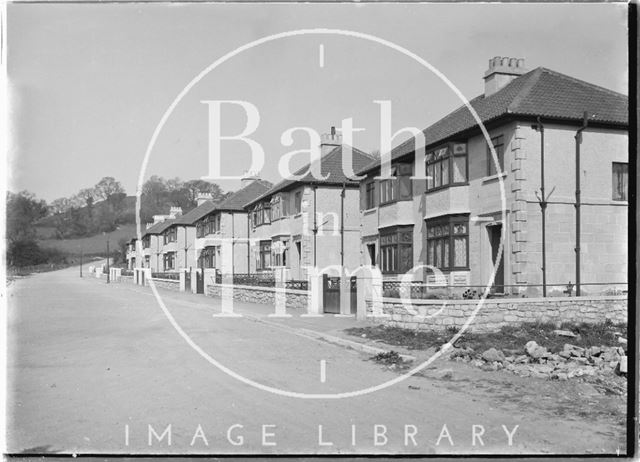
264	250
370	195
446	154
614	176
169	261
389	252
389	190
500	152
449	221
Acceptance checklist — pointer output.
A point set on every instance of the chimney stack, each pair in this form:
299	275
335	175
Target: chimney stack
329	141
201	198
502	70
248	178
175	212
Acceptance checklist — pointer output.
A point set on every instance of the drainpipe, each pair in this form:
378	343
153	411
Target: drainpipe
543	207
248	245
342	194
578	138
233	243
315	225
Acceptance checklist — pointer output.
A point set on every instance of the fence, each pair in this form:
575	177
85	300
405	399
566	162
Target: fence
262	280
126	272
418	290
172	276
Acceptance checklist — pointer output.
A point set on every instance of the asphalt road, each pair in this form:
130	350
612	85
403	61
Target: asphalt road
97	368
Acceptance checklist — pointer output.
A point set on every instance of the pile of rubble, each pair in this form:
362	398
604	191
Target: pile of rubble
537	361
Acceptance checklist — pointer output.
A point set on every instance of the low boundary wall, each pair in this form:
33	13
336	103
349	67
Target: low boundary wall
496	313
298	299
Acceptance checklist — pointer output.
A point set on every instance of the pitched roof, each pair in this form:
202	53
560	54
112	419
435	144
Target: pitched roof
236	201
330	164
195	214
540	92
159	227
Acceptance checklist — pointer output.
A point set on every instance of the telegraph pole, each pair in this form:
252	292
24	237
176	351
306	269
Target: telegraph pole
108	275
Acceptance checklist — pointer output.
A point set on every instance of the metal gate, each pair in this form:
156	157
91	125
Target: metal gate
331	294
200	281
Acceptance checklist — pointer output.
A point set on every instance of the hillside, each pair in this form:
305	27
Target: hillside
93	245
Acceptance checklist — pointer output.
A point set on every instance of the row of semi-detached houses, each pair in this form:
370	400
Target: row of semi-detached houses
454	219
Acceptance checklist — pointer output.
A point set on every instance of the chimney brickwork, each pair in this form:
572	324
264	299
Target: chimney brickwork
502	70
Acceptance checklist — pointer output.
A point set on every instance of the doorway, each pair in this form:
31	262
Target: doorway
371	248
495	232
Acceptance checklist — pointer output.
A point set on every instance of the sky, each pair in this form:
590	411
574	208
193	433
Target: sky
89	83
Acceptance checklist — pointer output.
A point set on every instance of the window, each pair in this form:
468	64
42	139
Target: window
146	242
448	242
620	181
297	202
370	195
396	250
147	261
200	228
208	257
264	258
498	145
446	166
398	188
170	235
280	249
276	208
169	261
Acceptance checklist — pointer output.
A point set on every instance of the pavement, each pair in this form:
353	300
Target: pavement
104	369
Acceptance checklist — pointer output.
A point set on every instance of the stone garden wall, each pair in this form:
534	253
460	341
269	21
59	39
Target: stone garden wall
496	313
298	299
169	284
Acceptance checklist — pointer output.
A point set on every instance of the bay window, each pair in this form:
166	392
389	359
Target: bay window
448	242
396	249
446	166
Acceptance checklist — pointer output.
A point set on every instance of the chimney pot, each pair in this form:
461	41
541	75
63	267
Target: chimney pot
502	70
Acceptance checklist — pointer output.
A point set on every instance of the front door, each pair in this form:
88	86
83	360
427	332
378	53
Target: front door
495	232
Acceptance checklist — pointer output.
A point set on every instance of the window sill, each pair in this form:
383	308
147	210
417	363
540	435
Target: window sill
441	188
369	211
408	199
497	176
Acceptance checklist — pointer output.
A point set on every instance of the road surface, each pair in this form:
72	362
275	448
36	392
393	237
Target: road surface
97	368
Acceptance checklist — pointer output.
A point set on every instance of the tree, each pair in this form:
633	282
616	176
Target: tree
23	210
88	196
107	187
60	205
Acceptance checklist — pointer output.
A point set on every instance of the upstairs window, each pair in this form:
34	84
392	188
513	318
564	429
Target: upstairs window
498	146
170	235
370	195
297	202
146	242
446	166
398	188
620	179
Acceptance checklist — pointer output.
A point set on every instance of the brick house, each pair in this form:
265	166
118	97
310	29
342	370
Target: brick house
453	219
226	220
309	222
